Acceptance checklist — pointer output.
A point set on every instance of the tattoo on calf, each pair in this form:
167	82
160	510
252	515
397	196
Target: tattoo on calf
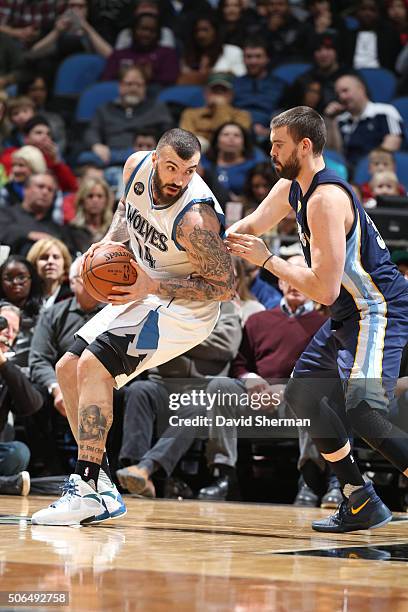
92	424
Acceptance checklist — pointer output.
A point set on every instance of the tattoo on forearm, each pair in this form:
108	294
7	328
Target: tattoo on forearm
215	280
118	230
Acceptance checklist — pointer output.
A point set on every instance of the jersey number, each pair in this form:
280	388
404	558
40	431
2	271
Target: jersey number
146	255
380	240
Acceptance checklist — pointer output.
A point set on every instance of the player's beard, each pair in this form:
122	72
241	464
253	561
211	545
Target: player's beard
161	198
291	168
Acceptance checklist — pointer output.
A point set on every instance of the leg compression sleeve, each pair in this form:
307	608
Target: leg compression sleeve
326	427
373	426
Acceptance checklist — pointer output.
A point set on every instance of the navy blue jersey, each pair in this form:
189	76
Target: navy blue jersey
370	280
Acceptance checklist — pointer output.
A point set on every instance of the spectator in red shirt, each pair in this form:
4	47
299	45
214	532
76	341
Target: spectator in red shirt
37	133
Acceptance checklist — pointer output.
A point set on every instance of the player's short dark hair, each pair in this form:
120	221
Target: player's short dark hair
303	122
184	143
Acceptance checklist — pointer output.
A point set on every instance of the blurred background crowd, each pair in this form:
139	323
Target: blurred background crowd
85	83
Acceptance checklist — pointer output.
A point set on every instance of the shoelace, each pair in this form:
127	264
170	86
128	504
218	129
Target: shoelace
69	489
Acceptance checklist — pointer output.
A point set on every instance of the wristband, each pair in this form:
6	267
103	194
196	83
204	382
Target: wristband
266	260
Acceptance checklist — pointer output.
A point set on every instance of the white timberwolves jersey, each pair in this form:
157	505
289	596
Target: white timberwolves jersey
152	229
153	330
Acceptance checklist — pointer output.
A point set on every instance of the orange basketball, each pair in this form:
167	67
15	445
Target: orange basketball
109	267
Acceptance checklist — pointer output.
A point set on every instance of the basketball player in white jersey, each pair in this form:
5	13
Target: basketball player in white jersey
175	228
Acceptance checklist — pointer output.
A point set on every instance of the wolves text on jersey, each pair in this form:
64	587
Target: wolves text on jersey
145	230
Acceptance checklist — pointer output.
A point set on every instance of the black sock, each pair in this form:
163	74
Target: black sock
105	466
88	471
347	471
149	465
314	477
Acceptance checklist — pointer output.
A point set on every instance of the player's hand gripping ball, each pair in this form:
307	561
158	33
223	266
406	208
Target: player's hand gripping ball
108	267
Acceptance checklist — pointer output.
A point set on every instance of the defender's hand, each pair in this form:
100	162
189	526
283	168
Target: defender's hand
248	247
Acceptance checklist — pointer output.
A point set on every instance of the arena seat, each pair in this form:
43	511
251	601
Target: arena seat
183	95
290	72
381	83
94	96
361	174
77	72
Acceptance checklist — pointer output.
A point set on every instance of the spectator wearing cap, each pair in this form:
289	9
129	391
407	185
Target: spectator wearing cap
37	132
326	68
26	161
204	121
258	92
359	125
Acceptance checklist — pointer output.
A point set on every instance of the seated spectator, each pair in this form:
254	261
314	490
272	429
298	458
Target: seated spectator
146	7
379	160
19	397
35	87
72	33
205	53
232	155
11	60
37	133
258	91
259	181
397	13
373	44
322	18
326	68
51	259
147	401
26	161
20	110
110	134
23	224
272	342
236	21
383	183
94	211
306	91
84	172
21	286
248	304
24	21
357	125
158	64
145	139
281	32
203	122
53	337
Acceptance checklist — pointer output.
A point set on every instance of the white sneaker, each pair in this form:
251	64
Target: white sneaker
79	504
111	496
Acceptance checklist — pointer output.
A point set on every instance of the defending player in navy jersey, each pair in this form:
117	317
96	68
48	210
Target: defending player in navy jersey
175	228
350	270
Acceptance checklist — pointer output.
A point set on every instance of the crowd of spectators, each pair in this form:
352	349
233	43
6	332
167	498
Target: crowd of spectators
60	179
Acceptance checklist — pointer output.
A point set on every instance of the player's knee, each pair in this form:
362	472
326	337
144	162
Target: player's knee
300	397
66	368
91	371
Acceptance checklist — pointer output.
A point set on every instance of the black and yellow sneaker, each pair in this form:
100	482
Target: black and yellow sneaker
362	510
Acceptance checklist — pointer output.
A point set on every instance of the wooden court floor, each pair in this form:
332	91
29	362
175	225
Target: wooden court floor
202	556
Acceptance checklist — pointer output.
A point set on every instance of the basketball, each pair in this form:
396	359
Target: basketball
108	267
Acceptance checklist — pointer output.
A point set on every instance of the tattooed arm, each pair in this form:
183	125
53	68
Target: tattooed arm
198	233
118	231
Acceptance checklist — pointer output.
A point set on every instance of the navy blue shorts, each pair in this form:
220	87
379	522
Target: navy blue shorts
364	352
